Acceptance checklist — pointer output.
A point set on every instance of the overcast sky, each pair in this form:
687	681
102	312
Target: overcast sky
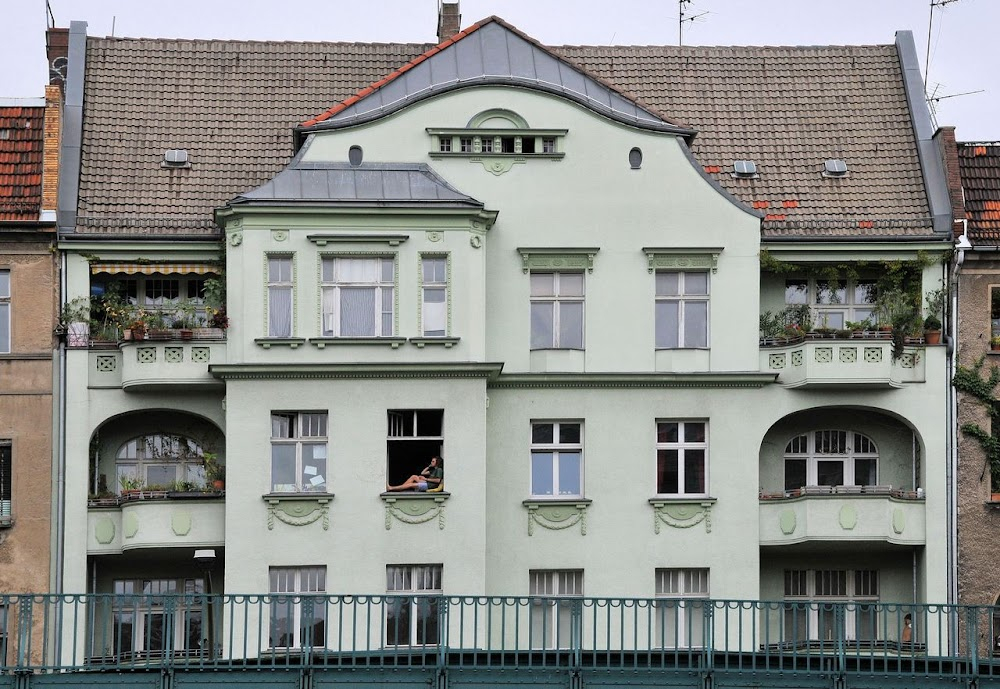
963	57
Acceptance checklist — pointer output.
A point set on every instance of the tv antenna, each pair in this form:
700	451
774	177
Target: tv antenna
930	26
682	18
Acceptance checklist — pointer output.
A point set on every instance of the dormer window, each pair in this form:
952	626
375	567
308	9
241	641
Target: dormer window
745	169
834	167
497	139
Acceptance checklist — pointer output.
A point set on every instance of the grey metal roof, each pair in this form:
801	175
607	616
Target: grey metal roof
341	184
492	52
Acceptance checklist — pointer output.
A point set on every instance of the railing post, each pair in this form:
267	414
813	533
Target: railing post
972	640
443	629
840	625
576	632
24	614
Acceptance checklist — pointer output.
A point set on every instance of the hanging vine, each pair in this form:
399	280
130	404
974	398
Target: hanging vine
971	381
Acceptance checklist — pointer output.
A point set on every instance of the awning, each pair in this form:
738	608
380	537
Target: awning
153	268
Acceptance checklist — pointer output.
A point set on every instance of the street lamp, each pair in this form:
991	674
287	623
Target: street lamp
205	560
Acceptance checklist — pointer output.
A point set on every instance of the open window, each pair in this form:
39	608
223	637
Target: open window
414	436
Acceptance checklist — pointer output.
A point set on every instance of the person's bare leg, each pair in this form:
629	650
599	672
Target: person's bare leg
405	485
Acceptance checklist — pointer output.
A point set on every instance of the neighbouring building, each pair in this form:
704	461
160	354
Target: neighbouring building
29	294
974	170
580	277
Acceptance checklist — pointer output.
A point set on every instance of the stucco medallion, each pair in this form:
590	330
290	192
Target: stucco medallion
787	521
236	238
279	235
434	236
848	517
557	516
898	520
104	531
180	523
475	241
130	525
414	508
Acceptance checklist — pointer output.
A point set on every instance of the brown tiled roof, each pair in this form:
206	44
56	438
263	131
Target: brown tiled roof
232	105
21	140
979	166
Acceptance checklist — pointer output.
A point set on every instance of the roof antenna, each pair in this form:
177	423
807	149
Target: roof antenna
51	18
930	25
113	18
682	6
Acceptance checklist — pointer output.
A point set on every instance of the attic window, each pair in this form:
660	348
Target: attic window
745	169
834	167
175	157
496	138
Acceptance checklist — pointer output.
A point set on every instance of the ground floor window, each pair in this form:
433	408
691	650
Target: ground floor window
555	619
680	607
412	605
811	610
152	618
298	608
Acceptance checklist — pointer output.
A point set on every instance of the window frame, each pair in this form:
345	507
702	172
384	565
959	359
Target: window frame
812	457
6	481
683	300
292	602
298	441
683	602
850	309
282	285
335	286
6	307
188	466
563	589
444	284
556	448
413	598
557	300
682	446
390	438
815	605
142	600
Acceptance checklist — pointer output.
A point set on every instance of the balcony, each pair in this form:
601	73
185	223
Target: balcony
154	519
843	513
146	365
842	363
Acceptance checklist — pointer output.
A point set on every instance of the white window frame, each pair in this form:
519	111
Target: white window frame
557	299
817	591
139	454
683	300
6	321
434	285
289	588
420	581
304	428
682	595
811	452
333	285
280	285
556	449
141	600
833	312
554	623
682	446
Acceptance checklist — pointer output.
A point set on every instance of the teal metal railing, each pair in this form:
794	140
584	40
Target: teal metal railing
48	633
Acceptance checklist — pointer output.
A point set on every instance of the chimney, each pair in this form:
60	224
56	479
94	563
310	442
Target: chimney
57	53
449	20
949	153
50	150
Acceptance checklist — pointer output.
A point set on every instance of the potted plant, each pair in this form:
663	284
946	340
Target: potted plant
186	319
995	343
75	318
899	310
130	485
157	326
935	310
215	472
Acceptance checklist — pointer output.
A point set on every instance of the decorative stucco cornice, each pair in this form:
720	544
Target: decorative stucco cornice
682	258
749	379
558	258
354	371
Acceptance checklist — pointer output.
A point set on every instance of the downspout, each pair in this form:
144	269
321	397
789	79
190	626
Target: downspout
952	420
61	445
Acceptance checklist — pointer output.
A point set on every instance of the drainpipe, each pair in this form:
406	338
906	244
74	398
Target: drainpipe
61	447
952	416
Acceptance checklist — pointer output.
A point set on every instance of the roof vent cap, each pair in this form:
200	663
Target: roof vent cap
355	155
744	168
176	157
834	167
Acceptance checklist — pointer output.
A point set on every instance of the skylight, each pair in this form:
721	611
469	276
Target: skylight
834	167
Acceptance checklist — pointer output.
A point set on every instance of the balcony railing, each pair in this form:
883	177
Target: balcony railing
266	632
155	519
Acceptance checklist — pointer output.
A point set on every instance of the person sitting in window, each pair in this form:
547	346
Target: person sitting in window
431	477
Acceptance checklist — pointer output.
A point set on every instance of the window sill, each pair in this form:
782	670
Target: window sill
268	342
447	342
321	342
298	509
6	522
556	514
681	499
393	495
